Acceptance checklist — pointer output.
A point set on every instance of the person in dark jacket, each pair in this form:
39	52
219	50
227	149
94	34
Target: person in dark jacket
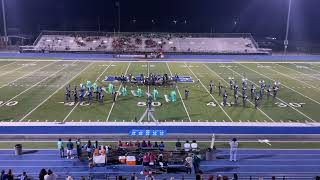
42	173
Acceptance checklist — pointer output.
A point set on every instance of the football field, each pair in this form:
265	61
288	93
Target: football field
33	91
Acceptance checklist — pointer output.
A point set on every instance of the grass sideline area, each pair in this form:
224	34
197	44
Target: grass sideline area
171	145
33	91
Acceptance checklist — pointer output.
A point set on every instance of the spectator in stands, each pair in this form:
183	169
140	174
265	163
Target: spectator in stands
155	145
60	145
2	175
153	158
96	145
178	145
149	144
69	149
146	159
120	144
89	149
196	162
161	146
79	148
194	145
233	149
96	152
188	164
9	175
42	173
149	177
137	144
24	176
50	175
273	178
187	146
199	176
133	176
235	177
144	144
104	151
211	177
69	178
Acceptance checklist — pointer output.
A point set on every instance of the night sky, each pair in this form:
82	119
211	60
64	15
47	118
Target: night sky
259	17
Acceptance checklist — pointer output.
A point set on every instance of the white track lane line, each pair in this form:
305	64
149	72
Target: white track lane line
54	92
277	97
227	83
28	74
3	66
67	116
209	92
293	78
185	108
299	72
13	70
117	94
35	85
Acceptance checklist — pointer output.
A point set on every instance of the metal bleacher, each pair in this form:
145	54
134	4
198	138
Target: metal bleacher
106	42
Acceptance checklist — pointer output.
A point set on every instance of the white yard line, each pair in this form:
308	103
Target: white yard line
7	64
209	93
286	86
184	105
117	94
311	69
35	84
299	71
13	70
67	116
54	93
227	83
28	74
277	97
294	78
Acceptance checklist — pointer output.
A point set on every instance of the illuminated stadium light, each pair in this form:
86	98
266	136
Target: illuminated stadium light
94	41
170	42
48	40
105	41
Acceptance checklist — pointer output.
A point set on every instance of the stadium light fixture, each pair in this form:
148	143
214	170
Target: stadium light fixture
286	42
4	23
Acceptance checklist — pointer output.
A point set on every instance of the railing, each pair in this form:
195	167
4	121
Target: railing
106	176
95	33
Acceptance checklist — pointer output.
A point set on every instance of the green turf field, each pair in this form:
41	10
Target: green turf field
33	91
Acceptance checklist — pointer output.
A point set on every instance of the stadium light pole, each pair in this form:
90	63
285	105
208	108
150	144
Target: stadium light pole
4	24
286	42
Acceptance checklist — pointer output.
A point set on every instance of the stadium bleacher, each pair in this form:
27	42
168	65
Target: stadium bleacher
145	43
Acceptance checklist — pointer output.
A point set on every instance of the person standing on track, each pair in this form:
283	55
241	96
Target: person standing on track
233	149
60	145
